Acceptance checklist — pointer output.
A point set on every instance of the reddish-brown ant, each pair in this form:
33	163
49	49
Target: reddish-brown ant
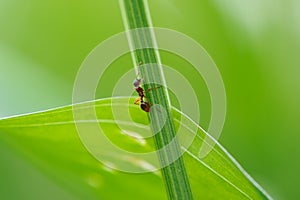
145	106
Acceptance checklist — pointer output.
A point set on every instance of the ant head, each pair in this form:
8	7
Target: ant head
137	82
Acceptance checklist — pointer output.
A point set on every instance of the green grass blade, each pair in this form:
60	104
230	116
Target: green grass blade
174	173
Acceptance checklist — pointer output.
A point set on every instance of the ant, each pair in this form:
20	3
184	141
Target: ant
145	106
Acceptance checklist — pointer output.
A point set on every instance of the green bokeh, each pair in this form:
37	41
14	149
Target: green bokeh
255	44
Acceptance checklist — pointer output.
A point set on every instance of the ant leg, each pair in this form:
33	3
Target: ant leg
137	101
154	88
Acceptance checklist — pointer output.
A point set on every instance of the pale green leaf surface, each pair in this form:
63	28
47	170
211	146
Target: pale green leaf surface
49	140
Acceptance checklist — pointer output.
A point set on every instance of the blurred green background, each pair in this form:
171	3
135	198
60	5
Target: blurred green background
255	44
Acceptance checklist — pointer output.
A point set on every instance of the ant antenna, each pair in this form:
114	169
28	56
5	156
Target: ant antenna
138	80
139	72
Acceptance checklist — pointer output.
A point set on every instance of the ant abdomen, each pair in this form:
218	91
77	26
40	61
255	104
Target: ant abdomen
145	106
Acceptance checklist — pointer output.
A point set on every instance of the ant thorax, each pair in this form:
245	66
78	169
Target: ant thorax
140	91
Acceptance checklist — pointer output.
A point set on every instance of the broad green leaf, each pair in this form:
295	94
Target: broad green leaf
50	141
